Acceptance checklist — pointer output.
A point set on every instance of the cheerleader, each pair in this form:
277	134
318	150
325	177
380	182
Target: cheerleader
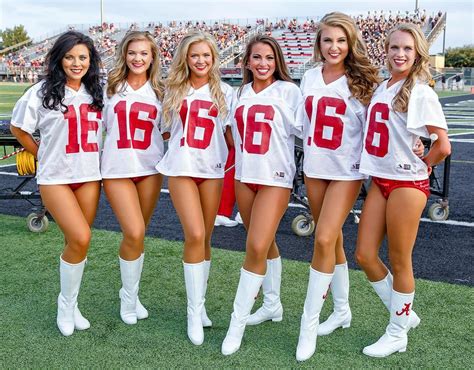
264	133
196	112
333	116
66	110
403	108
132	147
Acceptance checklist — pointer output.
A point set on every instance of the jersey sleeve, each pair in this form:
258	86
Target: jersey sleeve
424	109
294	100
303	83
231	101
25	112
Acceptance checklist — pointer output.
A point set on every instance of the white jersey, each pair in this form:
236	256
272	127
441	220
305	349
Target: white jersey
264	134
197	146
390	136
133	144
70	142
333	128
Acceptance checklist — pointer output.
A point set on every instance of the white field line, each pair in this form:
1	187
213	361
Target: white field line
294	205
356	211
461	133
462	140
7	165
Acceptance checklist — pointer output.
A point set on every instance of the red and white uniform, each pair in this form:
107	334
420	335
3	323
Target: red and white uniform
70	142
197	146
133	144
264	134
390	136
333	124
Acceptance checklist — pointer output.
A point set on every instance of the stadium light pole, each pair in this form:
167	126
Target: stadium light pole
416	5
101	13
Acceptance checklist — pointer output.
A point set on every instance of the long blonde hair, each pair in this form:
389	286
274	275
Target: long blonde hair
281	69
178	84
119	72
419	71
362	76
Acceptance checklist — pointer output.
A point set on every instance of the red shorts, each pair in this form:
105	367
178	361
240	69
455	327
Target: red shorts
254	187
76	186
198	180
137	179
387	186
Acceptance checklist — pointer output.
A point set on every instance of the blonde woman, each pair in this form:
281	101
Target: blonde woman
336	95
196	112
133	146
403	108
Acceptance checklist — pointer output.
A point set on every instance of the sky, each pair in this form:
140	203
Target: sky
43	18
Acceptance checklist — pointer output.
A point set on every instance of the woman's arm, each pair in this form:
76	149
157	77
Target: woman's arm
25	139
440	148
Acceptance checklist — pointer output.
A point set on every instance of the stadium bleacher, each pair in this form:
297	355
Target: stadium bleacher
295	36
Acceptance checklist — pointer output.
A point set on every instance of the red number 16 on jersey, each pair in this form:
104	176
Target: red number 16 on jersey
323	120
254	126
197	123
82	130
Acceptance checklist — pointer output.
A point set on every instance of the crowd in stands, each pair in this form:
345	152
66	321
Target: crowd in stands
373	26
104	28
168	37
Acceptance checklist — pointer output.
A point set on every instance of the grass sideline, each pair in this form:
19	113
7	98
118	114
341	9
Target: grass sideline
30	283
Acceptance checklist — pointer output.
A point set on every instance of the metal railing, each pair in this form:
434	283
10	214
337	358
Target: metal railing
437	29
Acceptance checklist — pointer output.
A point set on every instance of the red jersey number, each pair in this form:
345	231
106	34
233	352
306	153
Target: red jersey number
380	128
323	120
254	126
197	123
73	145
135	123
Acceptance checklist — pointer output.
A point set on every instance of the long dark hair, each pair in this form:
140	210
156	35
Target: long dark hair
55	79
281	70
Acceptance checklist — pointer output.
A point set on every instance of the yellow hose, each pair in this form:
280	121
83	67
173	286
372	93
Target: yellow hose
25	163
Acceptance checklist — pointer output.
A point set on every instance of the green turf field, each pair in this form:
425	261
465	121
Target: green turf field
9	94
29	337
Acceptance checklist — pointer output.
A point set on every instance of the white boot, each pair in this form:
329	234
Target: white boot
249	285
271	308
342	316
395	338
130	272
318	287
142	312
194	280
206	322
68	312
80	322
383	288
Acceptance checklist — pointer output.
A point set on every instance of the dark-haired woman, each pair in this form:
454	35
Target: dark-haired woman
264	133
66	109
